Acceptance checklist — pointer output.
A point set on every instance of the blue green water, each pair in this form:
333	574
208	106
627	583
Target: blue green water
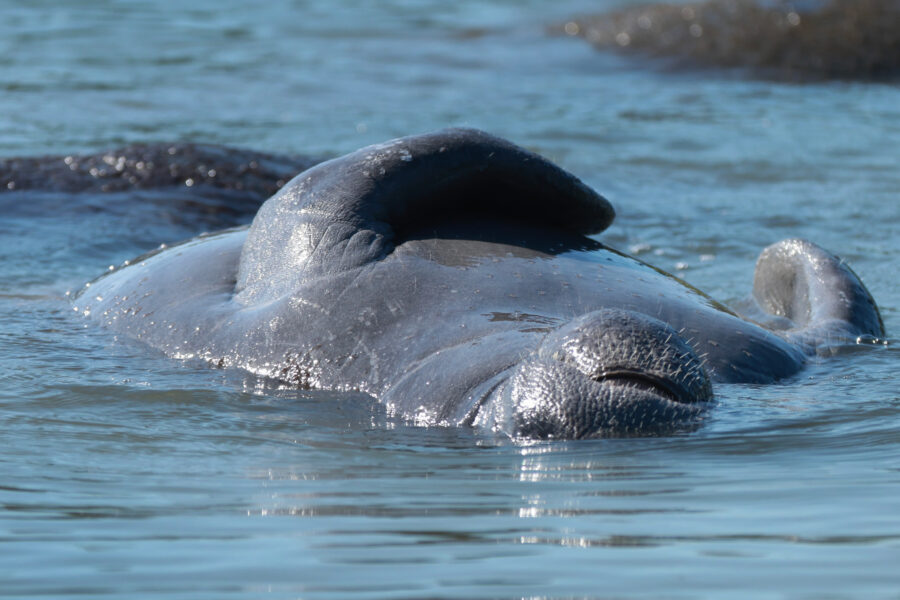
127	475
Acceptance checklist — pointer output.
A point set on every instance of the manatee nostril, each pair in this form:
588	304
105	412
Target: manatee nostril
625	347
665	387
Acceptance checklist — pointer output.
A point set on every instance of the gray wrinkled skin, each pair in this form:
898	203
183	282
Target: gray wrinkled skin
448	275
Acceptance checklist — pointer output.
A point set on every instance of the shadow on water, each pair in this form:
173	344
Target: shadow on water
788	41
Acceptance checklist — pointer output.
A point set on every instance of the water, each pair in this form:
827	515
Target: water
126	475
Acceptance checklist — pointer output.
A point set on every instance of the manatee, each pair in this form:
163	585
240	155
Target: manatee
147	166
451	276
218	186
773	39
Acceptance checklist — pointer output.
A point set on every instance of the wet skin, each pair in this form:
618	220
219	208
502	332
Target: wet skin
423	272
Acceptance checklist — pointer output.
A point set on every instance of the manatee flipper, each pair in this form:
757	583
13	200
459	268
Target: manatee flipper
824	301
352	210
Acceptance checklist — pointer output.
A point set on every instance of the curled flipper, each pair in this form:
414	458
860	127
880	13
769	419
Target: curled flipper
353	210
823	300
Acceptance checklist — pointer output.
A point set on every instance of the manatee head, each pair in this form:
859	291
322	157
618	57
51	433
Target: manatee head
608	372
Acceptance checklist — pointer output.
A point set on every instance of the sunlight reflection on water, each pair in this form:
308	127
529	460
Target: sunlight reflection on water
125	474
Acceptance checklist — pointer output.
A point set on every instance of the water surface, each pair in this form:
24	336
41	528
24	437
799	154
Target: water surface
127	475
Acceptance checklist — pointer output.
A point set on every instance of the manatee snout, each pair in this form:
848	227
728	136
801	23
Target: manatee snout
607	373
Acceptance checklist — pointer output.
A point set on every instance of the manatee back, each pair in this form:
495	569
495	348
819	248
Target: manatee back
353	210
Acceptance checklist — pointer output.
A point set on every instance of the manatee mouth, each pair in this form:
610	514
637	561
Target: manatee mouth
666	388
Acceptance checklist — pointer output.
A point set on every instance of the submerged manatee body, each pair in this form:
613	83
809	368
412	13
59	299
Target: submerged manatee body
777	39
449	276
201	185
